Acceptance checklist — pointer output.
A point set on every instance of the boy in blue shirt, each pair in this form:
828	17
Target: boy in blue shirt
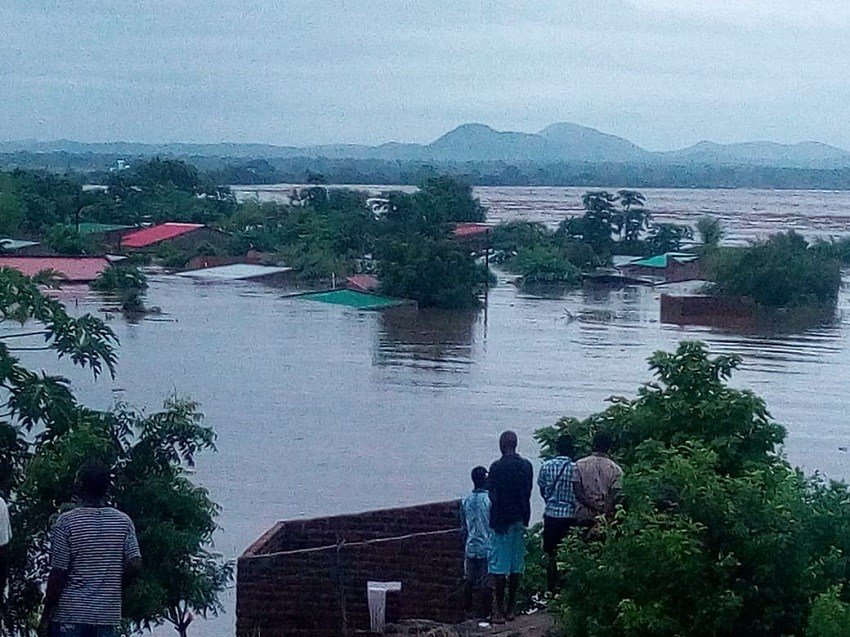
475	514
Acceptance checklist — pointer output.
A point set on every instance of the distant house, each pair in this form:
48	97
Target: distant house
70	269
672	267
183	236
474	235
238	272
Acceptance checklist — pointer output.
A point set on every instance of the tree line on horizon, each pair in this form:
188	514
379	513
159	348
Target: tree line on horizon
91	168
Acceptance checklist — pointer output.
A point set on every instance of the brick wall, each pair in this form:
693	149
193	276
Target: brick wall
307	578
707	310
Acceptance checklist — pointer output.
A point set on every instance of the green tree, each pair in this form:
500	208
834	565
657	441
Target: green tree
544	264
633	218
65	239
710	230
127	283
667	237
46	434
433	272
716	535
783	271
454	197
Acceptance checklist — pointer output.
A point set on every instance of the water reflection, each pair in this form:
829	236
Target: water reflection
437	340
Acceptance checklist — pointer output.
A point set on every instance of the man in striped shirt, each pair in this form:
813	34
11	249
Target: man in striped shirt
94	553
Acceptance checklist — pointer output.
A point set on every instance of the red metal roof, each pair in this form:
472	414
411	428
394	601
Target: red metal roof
77	269
164	231
467	230
363	282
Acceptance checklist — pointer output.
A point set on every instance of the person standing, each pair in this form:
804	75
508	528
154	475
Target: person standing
475	512
511	483
597	480
5	538
556	488
94	553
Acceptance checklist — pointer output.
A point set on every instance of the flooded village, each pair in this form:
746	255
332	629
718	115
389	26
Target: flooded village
330	397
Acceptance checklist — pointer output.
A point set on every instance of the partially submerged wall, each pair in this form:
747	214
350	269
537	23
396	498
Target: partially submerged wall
308	577
711	311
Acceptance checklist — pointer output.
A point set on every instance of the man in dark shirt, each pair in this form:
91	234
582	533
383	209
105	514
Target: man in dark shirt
511	483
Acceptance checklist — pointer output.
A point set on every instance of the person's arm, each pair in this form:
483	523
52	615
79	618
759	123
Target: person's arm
60	564
5	538
529	488
56	583
581	497
493	492
542	482
4	569
132	557
613	491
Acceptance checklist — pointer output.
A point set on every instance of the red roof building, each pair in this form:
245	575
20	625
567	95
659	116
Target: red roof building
147	237
72	269
470	230
363	283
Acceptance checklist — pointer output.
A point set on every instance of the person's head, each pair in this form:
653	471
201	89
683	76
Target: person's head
479	477
93	480
601	442
565	446
508	442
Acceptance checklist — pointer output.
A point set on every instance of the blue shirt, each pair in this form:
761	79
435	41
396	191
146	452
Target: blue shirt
556	487
475	512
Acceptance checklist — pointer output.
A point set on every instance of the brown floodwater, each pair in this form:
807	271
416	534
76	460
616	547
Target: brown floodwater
321	409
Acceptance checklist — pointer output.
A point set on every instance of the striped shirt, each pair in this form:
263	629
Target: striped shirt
5	525
556	487
93	544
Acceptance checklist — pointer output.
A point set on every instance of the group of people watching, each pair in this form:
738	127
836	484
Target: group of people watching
576	493
94	555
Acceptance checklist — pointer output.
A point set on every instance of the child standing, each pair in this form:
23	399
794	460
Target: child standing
475	512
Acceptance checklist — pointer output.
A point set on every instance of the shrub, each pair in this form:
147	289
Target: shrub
716	535
543	264
783	271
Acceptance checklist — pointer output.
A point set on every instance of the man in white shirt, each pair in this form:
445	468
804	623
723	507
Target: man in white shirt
5	538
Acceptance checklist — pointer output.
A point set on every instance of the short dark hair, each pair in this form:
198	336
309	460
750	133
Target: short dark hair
479	476
93	479
508	441
602	442
565	445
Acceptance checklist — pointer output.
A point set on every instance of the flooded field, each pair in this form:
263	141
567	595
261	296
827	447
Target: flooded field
321	409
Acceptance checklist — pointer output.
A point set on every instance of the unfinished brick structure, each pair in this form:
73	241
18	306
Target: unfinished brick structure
307	578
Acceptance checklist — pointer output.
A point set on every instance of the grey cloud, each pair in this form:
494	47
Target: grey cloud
663	73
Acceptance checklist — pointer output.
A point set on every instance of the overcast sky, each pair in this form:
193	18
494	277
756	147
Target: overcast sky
664	73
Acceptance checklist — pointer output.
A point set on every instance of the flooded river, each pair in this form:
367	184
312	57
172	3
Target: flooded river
321	409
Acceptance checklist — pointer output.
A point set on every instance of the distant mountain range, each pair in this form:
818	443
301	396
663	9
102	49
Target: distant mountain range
558	143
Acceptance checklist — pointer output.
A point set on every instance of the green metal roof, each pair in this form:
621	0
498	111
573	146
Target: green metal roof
661	261
350	298
99	228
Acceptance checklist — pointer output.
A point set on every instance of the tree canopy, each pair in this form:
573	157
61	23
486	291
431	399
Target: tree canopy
716	535
46	435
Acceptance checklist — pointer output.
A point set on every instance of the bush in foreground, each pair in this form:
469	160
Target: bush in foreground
717	534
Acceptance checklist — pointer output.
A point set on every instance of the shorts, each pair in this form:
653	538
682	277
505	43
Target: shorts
507	554
475	571
555	530
63	629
